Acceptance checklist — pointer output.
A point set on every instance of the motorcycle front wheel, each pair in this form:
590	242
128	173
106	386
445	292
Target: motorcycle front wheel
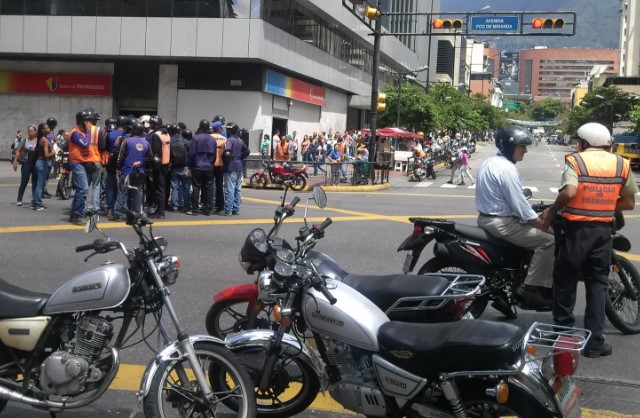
65	187
299	184
293	384
624	312
257	181
443	265
175	393
232	315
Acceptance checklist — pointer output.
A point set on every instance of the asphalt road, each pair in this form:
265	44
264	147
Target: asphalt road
38	253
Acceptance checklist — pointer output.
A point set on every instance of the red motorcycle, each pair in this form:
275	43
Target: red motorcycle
279	173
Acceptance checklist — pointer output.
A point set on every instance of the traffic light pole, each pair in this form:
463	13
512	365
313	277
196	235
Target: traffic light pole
373	124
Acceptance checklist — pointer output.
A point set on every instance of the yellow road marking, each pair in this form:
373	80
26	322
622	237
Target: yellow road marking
129	376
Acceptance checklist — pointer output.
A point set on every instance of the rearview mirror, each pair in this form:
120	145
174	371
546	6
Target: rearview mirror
527	193
320	197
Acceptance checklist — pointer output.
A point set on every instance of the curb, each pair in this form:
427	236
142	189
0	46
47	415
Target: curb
309	188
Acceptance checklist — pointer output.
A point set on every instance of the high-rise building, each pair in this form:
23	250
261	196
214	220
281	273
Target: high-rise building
629	38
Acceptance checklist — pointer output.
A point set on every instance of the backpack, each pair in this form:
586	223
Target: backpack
177	153
227	155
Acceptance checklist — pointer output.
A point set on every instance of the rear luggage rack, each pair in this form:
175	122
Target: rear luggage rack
461	286
554	339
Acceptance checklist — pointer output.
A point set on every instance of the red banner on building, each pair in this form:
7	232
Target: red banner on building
51	83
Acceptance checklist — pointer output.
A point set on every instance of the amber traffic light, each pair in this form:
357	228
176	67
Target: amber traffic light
382	102
372	13
447	24
547	23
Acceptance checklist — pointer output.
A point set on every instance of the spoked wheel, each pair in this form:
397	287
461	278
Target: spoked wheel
299	184
175	392
65	187
257	182
232	316
624	312
443	265
292	388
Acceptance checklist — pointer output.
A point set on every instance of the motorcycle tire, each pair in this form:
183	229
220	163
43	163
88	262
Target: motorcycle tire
293	387
622	311
433	175
231	316
443	265
173	388
65	187
299	184
257	182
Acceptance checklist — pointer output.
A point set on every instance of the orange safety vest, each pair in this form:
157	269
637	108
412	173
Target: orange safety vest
601	177
165	141
77	154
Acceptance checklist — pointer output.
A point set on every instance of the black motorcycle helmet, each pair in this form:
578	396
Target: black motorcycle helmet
508	137
109	121
93	115
81	116
187	134
204	125
218	118
232	128
122	120
173	129
155	120
137	129
52	122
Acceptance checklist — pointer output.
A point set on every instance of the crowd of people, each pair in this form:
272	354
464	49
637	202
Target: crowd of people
136	164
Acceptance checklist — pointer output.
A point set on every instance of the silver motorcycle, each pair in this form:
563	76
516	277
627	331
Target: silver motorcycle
382	368
57	353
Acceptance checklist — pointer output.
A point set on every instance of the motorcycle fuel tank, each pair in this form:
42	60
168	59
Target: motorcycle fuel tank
101	288
326	266
353	319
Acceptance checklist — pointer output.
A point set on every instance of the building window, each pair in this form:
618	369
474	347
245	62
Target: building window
158	8
36	7
109	8
185	8
134	8
12	7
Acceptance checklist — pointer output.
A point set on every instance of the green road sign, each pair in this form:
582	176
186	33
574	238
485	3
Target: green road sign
511	105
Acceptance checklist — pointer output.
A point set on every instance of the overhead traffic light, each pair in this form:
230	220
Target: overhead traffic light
447	24
547	23
371	12
382	102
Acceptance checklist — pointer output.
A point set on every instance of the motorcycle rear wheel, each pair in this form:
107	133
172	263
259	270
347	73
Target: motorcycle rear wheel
299	184
621	310
444	265
257	182
232	315
174	391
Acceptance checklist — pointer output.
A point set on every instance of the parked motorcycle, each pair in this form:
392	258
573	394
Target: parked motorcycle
65	183
381	368
419	298
56	351
278	173
421	169
470	249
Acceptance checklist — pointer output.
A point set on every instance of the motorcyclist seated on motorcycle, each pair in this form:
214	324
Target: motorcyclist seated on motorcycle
505	213
418	152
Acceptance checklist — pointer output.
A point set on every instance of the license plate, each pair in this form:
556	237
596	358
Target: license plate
407	263
567	394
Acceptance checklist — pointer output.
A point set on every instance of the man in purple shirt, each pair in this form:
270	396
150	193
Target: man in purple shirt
233	170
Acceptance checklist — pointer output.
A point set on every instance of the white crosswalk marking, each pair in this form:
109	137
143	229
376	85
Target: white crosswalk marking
448	186
424	184
554	189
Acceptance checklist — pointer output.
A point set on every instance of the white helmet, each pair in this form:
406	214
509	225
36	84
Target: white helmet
144	120
596	134
458	136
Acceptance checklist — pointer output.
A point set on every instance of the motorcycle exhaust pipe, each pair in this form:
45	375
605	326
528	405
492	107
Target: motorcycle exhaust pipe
14	396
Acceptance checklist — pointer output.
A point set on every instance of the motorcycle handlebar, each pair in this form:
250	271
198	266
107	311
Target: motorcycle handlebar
319	285
99	246
294	202
82	248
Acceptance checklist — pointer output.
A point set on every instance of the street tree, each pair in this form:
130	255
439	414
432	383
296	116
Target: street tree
547	109
605	105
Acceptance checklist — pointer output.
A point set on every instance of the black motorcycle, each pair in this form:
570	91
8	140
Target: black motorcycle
422	168
65	183
470	249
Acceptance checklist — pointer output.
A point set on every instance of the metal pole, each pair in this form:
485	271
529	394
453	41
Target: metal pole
430	27
398	106
374	91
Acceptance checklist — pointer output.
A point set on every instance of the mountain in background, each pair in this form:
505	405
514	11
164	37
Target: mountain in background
597	21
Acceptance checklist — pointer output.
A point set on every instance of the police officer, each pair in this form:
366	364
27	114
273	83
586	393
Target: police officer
202	157
595	184
114	140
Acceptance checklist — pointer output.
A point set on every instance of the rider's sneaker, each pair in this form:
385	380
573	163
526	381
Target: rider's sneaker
605	350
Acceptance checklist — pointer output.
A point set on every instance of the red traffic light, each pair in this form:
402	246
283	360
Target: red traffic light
547	23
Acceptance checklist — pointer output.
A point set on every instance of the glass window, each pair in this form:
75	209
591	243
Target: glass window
84	7
134	8
12	7
159	8
61	7
185	8
36	7
211	8
110	8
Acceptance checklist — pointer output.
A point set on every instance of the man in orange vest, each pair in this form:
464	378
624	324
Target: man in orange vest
595	184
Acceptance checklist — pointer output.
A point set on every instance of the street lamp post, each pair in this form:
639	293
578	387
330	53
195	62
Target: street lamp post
399	77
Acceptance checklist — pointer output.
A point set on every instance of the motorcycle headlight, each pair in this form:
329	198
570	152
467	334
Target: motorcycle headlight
169	269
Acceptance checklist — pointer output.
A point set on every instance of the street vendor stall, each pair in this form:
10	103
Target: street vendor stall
394	146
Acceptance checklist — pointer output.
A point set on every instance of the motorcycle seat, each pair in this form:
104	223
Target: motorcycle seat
384	291
467	345
480	234
16	302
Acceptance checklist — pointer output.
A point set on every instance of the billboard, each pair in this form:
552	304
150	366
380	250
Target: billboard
509	71
55	83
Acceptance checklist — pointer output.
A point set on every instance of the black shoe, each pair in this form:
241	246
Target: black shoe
538	294
235	212
46	195
603	351
156	215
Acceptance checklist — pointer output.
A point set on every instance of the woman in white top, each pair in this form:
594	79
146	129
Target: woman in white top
26	155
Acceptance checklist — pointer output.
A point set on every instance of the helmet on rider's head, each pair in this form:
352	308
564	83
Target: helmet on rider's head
187	134
137	128
155	120
109	121
122	120
508	137
81	116
173	129
204	125
232	128
52	122
458	136
595	134
144	120
218	118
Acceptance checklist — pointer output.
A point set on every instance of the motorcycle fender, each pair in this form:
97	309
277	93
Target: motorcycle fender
247	292
171	352
262	338
416	242
441	250
621	243
530	382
